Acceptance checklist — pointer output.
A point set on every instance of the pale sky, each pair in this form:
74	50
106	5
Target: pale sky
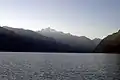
91	18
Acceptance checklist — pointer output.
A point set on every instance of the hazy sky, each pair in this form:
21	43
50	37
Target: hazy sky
91	18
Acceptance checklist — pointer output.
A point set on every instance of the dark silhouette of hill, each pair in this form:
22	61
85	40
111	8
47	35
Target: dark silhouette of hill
20	40
110	44
81	43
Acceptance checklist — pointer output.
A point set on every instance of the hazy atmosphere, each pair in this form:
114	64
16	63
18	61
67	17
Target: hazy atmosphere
91	18
59	39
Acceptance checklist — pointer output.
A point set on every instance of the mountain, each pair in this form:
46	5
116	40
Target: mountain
20	40
82	43
110	44
27	33
96	41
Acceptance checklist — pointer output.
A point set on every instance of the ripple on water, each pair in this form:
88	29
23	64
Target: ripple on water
59	66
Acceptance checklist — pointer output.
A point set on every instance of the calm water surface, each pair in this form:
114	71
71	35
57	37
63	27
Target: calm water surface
59	66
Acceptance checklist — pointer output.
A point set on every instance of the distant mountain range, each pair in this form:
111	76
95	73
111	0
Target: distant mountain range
19	40
50	40
81	43
110	44
45	40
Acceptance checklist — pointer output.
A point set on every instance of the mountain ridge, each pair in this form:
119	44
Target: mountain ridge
110	44
73	43
13	42
80	42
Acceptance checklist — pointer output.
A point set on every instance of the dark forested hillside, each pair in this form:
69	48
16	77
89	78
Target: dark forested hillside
11	41
48	40
110	44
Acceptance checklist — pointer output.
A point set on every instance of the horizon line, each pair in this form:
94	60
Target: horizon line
57	31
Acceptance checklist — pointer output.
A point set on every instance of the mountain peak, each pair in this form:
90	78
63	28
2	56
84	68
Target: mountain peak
48	30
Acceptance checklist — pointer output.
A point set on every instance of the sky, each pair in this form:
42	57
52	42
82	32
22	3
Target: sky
90	18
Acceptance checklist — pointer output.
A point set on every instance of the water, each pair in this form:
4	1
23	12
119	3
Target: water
57	66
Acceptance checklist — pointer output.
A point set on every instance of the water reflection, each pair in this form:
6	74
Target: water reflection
59	66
